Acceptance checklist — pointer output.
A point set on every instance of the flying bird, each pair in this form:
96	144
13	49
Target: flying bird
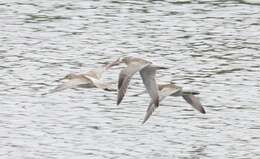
91	79
147	71
172	90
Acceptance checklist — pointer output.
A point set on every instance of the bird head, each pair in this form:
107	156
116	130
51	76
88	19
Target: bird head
67	77
70	76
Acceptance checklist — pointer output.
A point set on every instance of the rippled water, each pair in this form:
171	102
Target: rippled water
210	45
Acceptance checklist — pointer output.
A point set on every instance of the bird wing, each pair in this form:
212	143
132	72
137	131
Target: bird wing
95	82
163	94
98	72
101	84
194	101
114	63
124	79
148	77
73	83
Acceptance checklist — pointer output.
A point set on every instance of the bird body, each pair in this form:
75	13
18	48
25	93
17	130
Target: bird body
173	90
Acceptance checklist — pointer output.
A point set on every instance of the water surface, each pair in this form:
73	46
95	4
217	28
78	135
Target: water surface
210	46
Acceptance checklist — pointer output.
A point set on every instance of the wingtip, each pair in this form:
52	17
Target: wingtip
156	102
118	101
144	121
203	111
164	68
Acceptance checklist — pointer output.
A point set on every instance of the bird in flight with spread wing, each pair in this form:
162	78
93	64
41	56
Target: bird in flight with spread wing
172	90
147	71
91	79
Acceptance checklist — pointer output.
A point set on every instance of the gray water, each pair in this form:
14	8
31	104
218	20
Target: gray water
212	46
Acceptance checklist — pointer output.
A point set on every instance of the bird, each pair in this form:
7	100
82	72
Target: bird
91	79
147	71
171	89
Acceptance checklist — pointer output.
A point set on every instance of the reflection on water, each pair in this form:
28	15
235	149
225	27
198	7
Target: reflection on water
210	46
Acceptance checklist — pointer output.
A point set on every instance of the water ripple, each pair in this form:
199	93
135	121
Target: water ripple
209	46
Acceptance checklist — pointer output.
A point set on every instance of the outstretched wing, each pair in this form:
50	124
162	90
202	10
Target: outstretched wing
148	77
73	83
192	100
167	91
124	79
98	72
100	84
